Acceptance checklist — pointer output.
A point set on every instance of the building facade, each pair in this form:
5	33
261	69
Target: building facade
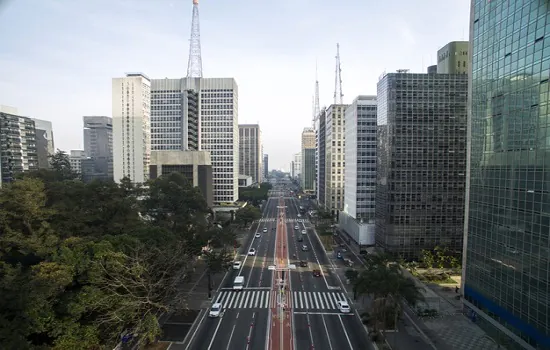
357	217
250	152
320	157
506	258
335	144
308	160
44	142
98	147
131	127
421	162
266	166
174	115
453	58
17	144
196	166
76	157
297	165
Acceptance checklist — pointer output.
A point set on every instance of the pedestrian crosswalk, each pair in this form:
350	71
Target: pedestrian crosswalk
262	299
286	220
297	220
267	220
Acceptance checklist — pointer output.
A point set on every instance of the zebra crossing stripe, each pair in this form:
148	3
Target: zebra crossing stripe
262	299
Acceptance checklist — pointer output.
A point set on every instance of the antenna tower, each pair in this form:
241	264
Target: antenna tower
194	66
338	95
316	106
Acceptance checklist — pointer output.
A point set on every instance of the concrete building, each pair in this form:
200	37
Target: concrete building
421	162
131	127
335	144
453	58
507	225
250	152
245	181
297	165
357	218
308	160
320	157
17	144
174	115
196	166
266	166
44	142
76	156
98	148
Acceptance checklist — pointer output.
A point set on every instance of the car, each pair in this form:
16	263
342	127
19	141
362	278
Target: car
304	232
343	306
300	239
237	265
216	310
296	227
304	248
316	273
257	235
303	263
265	229
299	215
252	252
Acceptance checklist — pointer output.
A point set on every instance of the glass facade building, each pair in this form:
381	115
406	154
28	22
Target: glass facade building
507	230
421	162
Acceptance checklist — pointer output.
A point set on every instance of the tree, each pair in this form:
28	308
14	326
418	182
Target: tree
248	214
428	258
61	165
216	262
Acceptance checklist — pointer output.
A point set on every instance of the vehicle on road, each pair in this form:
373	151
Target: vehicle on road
216	310
304	232
316	273
296	227
299	215
305	248
343	306
257	235
237	265
303	263
238	284
252	252
265	229
300	239
348	262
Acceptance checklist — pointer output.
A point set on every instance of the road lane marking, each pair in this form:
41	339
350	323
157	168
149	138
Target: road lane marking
231	337
196	330
345	332
326	331
215	333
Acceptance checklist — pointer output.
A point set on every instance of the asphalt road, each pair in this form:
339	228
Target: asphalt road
247	319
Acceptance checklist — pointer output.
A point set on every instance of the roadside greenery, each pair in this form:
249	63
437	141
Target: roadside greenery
82	263
247	215
384	283
255	195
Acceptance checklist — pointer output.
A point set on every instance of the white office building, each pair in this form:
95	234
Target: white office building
297	165
76	156
357	218
131	127
334	158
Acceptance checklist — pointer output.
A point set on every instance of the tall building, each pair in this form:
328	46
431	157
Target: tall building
453	58
335	144
506	262
297	164
250	151
307	178
357	218
98	147
17	144
320	157
266	166
174	115
131	127
421	162
44	142
76	157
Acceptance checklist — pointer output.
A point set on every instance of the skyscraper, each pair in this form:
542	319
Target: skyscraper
266	166
297	163
453	58
357	218
131	127
421	162
44	142
507	240
250	151
98	148
335	143
308	160
320	157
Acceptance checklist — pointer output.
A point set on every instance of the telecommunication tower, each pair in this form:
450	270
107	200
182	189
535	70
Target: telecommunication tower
338	95
316	107
194	66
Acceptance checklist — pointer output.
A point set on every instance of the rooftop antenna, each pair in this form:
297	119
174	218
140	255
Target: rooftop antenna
194	65
338	95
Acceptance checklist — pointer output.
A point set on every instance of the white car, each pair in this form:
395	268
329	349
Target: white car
237	265
304	232
343	306
299	215
296	227
216	310
265	229
252	252
257	235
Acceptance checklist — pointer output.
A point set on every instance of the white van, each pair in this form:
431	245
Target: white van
238	284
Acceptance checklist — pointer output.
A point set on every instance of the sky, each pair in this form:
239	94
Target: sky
57	57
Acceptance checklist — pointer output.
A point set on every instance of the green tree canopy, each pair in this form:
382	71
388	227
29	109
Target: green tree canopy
248	214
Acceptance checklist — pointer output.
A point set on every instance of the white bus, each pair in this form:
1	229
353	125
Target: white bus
238	284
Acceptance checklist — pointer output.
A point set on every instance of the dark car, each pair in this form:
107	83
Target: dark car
303	263
300	238
316	273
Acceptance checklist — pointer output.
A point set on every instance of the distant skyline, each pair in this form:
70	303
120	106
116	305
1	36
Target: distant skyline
58	66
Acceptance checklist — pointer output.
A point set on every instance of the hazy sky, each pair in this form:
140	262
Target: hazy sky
57	57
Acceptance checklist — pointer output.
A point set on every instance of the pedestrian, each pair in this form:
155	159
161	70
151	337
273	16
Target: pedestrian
456	289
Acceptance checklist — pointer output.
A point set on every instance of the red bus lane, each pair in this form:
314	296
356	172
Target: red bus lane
281	330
